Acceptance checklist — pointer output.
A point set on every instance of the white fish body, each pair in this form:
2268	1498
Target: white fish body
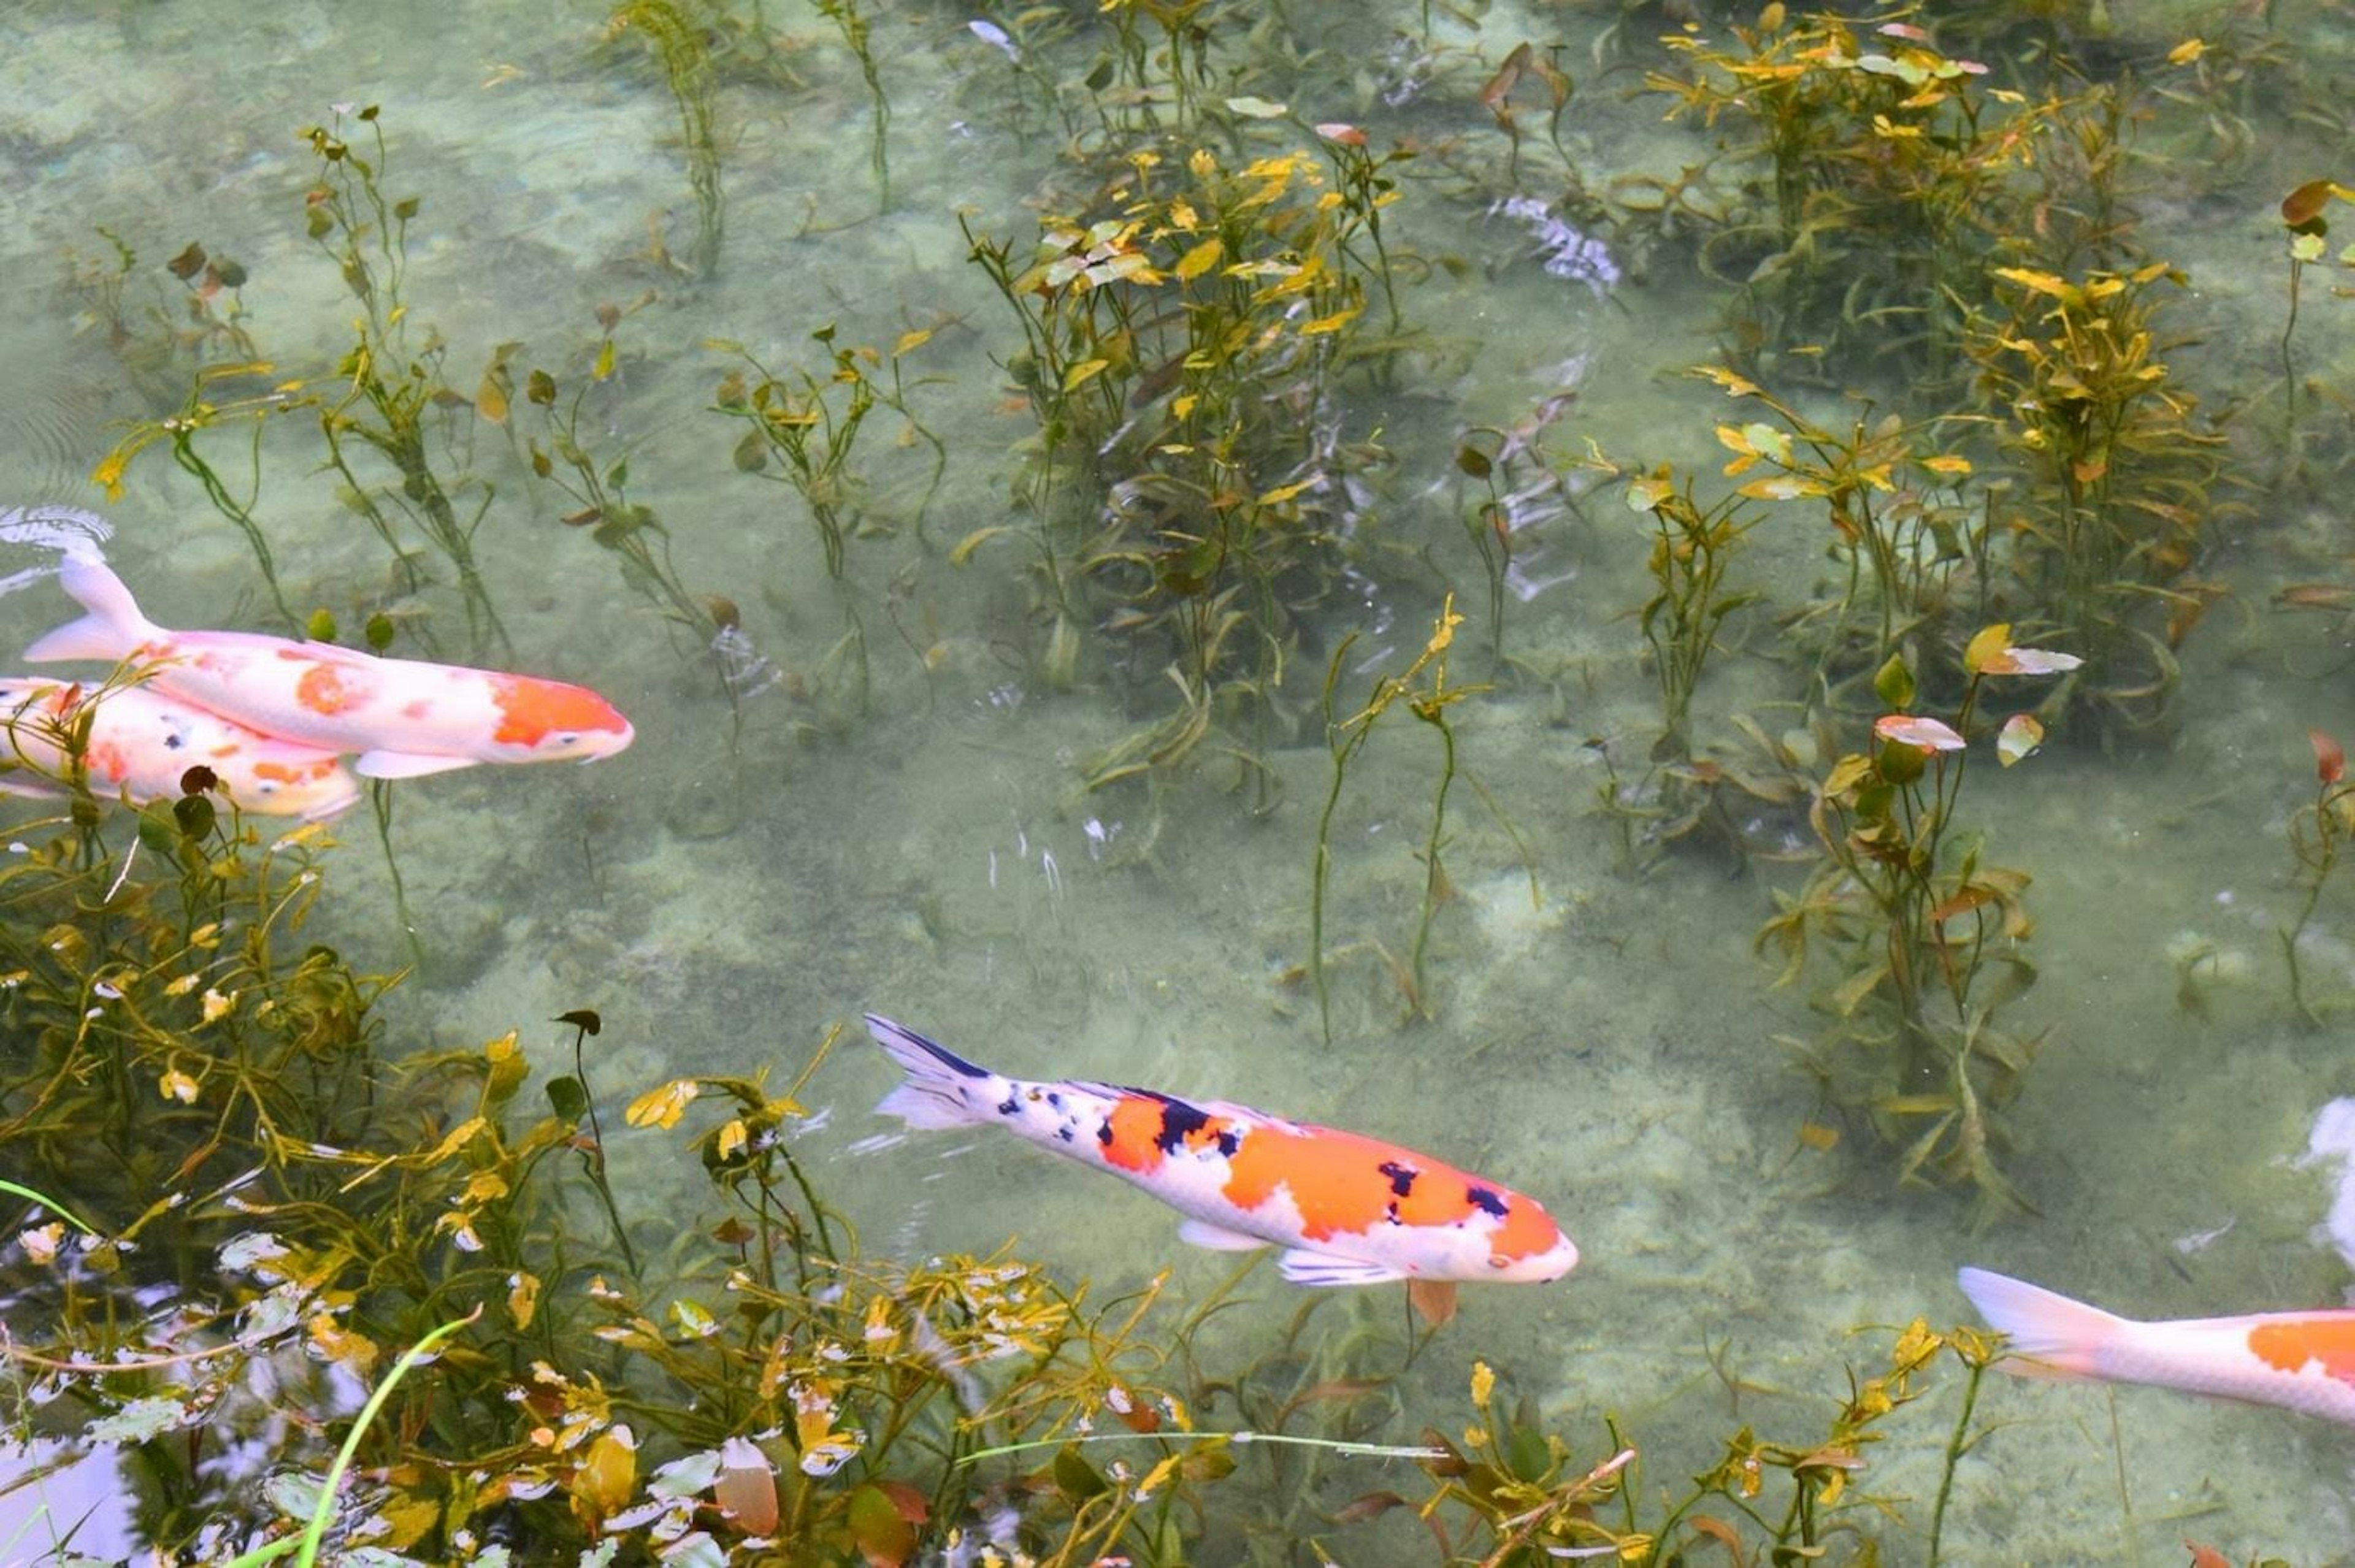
141	743
2303	1361
1347	1209
403	716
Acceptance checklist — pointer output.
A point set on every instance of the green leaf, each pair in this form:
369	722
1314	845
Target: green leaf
569	1098
886	1538
1895	684
1076	1478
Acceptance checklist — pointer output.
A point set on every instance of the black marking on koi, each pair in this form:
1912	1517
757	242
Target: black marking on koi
1179	1122
1401	1177
1482	1199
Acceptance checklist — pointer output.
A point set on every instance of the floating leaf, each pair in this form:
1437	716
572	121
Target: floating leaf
1257	108
2028	661
2019	739
137	1421
1919	730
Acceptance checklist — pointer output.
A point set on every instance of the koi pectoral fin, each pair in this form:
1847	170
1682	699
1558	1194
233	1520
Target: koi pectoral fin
405	765
1218	1238
1302	1266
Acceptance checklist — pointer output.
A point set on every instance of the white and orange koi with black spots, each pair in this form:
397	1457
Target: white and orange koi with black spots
140	744
2303	1361
1346	1208
403	716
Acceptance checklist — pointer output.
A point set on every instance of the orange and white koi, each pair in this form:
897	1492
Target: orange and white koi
1346	1208
140	744
403	716
2301	1360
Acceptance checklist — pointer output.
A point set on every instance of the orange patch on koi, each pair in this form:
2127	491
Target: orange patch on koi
322	690
530	710
1130	1133
2290	1345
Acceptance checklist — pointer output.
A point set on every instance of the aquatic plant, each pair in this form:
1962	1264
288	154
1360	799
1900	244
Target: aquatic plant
1522	1493
2317	832
2119	481
202	412
674	35
1926	933
2302	214
1191	473
1692	548
847	21
1892	497
1497	96
1344	739
396	399
599	488
794	419
1879	145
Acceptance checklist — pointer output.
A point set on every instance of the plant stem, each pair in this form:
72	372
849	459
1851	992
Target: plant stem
1956	1443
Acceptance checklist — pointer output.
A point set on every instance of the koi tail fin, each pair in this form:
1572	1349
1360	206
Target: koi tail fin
114	629
942	1089
2059	1337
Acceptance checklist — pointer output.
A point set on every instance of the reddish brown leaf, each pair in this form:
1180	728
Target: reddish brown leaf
2206	1556
2329	760
1373	1505
1433	1300
2304	205
1717	1530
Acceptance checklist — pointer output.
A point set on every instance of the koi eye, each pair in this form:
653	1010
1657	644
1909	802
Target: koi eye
1500	1262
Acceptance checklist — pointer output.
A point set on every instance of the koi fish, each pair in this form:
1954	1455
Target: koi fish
2301	1360
141	742
1346	1208
405	718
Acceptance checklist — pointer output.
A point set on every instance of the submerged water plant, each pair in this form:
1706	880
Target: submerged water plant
796	420
2318	833
1190	481
1511	1491
2120	481
395	400
1926	934
674	35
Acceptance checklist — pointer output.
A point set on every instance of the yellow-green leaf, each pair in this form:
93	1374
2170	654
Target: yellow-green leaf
974	541
1201	259
1987	647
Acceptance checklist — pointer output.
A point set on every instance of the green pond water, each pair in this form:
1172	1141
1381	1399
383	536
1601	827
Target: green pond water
906	831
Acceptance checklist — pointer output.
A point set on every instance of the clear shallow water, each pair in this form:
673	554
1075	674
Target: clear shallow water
930	854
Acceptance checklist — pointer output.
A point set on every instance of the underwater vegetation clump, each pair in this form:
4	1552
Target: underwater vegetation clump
275	1206
2119	481
1856	140
1192	482
1926	935
1522	1494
